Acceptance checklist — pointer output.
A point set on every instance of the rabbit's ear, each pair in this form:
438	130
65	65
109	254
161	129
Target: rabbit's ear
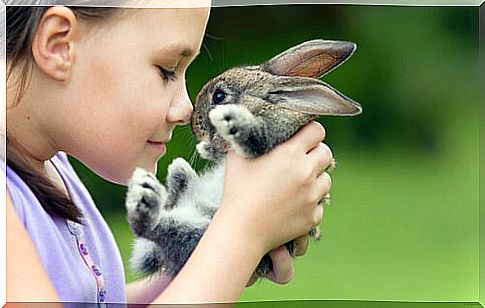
311	96
310	59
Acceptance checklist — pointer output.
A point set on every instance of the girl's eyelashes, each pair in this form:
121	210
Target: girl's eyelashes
166	74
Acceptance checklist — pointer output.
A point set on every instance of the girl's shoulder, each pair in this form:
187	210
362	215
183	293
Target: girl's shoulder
19	192
23	197
56	241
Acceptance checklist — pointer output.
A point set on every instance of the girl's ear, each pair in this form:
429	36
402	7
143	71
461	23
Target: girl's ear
310	59
53	42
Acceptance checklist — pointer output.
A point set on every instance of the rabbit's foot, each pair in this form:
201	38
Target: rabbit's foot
325	200
180	175
147	256
235	124
177	234
265	266
143	201
315	233
331	167
207	151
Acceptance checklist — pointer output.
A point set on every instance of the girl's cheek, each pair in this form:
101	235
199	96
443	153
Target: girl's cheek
159	107
102	72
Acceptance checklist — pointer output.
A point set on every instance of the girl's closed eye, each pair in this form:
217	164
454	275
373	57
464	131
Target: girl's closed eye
167	75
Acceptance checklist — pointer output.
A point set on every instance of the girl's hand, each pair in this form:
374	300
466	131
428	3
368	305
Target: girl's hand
267	202
274	198
283	263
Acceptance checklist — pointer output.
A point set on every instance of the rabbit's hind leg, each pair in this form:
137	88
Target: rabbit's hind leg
169	245
180	175
178	233
144	199
147	256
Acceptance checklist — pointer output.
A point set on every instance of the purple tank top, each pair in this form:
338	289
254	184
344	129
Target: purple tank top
82	261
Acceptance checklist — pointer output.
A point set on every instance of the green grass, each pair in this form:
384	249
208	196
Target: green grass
390	234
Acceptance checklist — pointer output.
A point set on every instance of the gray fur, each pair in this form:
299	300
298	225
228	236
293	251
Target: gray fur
259	108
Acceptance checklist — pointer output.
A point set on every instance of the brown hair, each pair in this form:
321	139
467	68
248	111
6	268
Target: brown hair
22	23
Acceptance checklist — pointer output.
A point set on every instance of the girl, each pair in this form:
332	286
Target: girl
107	86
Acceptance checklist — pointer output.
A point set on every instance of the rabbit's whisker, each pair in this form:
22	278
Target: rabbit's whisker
208	51
213	37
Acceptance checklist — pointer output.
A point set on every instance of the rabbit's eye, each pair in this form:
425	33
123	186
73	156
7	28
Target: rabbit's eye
219	96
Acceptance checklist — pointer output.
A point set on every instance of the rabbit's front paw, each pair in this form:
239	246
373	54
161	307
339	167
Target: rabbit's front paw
180	176
143	201
234	123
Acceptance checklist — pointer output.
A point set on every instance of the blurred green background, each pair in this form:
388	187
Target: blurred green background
403	223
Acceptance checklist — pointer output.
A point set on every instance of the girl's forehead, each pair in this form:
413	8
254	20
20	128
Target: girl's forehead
172	17
176	33
162	22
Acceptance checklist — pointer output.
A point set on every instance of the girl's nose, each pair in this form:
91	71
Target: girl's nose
180	109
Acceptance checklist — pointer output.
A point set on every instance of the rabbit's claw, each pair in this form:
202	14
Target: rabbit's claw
231	120
331	167
325	200
315	233
234	123
143	200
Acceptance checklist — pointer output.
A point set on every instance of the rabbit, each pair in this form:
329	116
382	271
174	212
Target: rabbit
250	110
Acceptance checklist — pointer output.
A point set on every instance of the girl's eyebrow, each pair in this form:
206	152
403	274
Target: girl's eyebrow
180	50
187	52
184	50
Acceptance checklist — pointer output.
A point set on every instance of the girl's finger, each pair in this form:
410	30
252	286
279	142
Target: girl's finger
308	136
324	184
323	157
282	271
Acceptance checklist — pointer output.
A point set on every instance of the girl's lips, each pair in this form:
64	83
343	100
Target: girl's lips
159	146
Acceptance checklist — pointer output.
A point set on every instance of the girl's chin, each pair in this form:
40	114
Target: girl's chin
125	178
150	167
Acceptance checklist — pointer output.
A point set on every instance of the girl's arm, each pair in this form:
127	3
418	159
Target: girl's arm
267	201
26	277
146	290
219	267
208	265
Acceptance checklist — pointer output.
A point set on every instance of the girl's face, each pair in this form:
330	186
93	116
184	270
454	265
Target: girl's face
128	89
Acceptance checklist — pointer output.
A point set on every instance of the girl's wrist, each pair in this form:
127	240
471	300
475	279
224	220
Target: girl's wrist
239	229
